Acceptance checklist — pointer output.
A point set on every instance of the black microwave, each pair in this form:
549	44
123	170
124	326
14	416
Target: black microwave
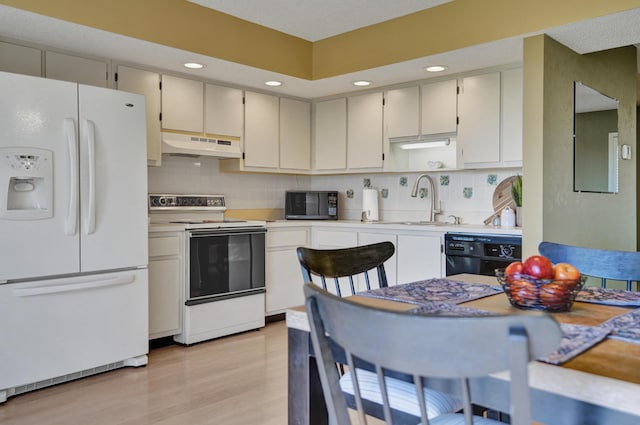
311	205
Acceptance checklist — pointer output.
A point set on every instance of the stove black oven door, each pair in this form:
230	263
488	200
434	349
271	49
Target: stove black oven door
225	263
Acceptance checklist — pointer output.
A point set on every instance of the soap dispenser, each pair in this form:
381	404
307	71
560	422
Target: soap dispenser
508	217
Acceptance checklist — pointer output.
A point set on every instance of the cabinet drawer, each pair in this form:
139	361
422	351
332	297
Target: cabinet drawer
299	237
164	245
335	239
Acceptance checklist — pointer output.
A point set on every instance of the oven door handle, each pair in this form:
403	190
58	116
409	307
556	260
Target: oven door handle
224	232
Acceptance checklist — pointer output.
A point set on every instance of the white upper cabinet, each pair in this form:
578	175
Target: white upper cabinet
148	84
182	104
364	131
512	117
224	111
92	72
479	126
330	135
402	112
295	134
439	112
20	59
261	132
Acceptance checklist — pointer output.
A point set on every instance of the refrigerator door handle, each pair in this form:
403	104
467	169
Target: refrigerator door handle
71	219
72	286
90	212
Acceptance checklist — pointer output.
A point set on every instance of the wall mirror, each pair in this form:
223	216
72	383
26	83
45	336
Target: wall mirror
595	141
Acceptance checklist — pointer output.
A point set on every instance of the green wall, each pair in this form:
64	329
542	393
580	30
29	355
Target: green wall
553	211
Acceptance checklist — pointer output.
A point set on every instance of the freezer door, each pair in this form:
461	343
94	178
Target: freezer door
58	327
38	208
113	179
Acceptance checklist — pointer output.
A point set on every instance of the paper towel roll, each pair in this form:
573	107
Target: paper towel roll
370	204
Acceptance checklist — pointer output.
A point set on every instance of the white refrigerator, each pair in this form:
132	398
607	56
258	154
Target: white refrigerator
73	224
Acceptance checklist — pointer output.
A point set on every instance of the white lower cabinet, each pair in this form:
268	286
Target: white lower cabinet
283	275
165	283
368	238
419	256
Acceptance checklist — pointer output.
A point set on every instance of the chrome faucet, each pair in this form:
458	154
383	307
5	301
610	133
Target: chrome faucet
432	193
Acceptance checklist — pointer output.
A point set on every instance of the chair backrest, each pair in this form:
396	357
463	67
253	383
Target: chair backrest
345	263
426	346
600	263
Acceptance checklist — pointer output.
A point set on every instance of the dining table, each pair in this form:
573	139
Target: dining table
599	385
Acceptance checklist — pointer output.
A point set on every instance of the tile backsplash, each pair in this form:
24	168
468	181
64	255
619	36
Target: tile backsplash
467	194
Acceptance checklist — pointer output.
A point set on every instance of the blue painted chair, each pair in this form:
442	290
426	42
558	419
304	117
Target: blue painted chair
600	263
423	346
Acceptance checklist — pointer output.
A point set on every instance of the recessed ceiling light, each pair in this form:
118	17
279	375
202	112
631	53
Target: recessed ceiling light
436	68
273	83
193	65
362	83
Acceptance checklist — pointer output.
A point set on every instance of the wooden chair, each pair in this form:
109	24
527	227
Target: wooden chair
346	263
425	346
599	263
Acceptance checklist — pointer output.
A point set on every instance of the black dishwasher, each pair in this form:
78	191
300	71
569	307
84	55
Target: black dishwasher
480	254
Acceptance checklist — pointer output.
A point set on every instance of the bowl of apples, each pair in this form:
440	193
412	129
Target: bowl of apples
538	284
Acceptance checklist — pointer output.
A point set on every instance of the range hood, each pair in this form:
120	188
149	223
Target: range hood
186	144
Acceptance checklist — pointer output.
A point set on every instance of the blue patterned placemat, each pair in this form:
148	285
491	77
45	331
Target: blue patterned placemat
434	290
445	309
575	340
625	327
590	294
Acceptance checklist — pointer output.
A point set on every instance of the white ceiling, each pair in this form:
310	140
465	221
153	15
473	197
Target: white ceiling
315	20
584	37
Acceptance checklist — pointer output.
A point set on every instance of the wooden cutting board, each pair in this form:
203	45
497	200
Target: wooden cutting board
502	197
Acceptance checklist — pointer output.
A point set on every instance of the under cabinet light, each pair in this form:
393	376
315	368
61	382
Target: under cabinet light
425	144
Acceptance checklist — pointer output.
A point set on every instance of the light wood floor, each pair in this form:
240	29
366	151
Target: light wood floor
236	380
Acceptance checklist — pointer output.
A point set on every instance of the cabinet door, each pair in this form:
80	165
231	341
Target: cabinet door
364	131
283	275
164	297
224	112
479	127
295	134
439	107
165	284
511	121
419	257
148	84
20	59
402	112
330	135
366	238
261	136
182	104
92	72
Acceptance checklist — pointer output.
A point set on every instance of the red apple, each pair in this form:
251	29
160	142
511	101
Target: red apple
538	267
565	271
513	268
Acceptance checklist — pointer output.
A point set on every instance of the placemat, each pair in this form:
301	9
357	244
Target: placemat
625	327
434	290
591	294
575	340
444	309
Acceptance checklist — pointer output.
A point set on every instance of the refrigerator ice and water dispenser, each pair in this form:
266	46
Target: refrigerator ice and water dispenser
28	176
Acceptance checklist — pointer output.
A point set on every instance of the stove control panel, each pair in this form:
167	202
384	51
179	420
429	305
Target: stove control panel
187	202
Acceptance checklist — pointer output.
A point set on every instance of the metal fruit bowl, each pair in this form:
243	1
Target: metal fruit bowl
527	292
